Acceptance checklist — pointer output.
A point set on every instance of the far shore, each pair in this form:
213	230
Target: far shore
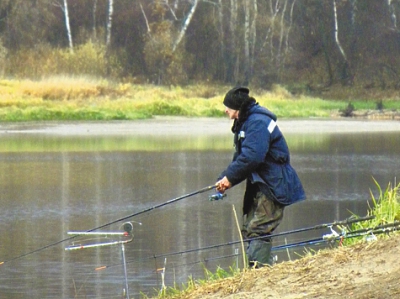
190	126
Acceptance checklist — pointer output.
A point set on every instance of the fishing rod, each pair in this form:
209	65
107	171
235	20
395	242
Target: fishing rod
319	226
202	190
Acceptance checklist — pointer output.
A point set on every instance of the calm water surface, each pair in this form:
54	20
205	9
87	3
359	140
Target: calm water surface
55	183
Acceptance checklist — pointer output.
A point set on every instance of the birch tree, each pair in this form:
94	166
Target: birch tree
336	31
345	69
392	12
67	26
185	25
64	9
109	22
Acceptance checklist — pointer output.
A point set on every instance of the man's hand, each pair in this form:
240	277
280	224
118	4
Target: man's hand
223	184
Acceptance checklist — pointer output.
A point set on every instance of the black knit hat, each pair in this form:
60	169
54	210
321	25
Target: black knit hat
235	97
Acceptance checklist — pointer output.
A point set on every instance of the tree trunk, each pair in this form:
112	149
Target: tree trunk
337	32
246	41
67	25
185	25
345	68
253	37
145	18
274	13
109	22
221	68
232	61
94	11
392	13
325	42
281	38
286	52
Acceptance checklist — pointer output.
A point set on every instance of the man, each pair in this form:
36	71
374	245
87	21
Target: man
262	157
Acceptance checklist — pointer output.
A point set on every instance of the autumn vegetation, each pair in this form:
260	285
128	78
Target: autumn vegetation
104	59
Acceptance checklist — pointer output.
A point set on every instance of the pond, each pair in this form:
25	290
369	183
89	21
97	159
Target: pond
63	177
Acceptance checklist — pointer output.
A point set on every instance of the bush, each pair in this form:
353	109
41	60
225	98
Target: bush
43	61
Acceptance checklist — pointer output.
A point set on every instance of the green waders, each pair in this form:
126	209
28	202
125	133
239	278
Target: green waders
262	217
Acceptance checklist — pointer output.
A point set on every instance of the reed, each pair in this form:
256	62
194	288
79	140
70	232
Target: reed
385	208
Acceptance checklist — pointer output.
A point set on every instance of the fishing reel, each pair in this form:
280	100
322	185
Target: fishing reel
216	196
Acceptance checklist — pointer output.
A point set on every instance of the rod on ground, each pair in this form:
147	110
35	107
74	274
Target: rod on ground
319	226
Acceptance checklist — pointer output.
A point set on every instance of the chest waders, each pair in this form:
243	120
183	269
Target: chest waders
262	218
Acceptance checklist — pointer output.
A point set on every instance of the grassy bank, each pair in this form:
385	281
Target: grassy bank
82	98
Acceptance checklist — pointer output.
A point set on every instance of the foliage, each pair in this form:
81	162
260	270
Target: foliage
88	59
287	43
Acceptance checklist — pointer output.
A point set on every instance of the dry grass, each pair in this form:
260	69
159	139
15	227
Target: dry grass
89	98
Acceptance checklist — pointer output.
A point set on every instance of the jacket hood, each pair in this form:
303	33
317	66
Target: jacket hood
250	108
257	109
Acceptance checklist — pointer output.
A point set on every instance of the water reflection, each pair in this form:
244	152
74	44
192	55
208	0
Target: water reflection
53	184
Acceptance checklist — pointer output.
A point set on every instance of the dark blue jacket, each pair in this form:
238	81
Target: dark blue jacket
262	156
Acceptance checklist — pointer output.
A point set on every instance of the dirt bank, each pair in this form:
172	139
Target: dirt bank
364	271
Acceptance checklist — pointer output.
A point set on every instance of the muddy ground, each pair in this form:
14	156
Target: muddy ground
369	270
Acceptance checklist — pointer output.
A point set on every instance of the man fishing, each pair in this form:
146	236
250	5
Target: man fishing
262	159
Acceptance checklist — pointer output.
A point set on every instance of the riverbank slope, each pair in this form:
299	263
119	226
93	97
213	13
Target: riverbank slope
363	271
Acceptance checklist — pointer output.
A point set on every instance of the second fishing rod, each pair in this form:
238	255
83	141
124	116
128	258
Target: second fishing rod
347	221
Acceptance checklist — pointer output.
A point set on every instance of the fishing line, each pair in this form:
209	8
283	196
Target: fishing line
113	222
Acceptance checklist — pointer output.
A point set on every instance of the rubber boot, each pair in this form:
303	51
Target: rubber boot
259	253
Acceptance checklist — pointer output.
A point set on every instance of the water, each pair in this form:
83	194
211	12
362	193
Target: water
56	182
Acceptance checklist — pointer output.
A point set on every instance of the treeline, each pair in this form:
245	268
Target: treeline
313	43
